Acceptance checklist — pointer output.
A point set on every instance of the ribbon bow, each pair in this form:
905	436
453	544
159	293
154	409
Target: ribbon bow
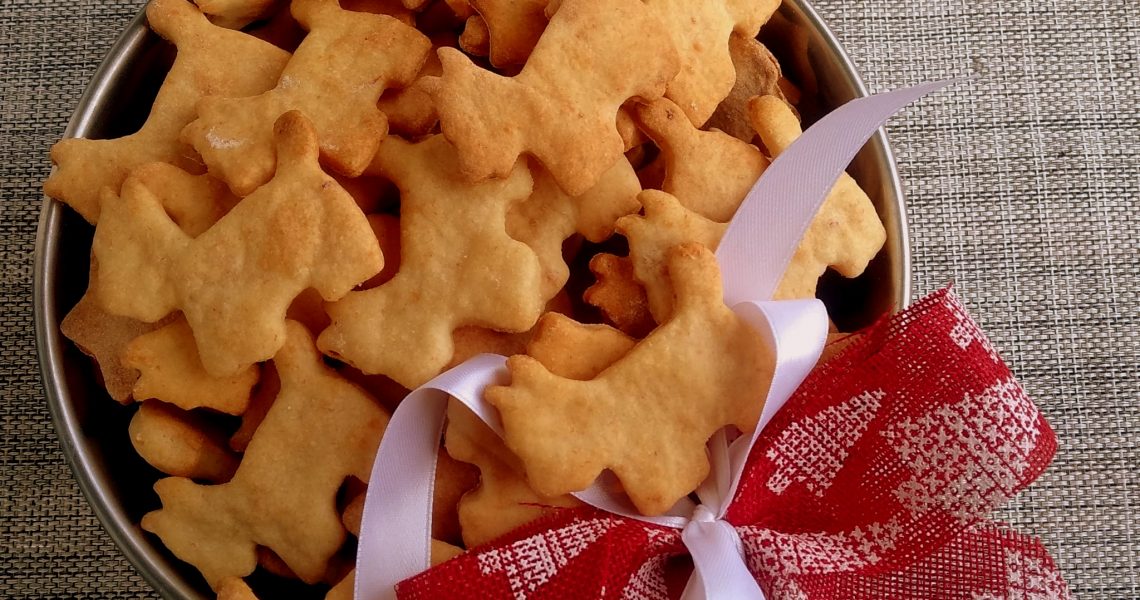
873	481
737	547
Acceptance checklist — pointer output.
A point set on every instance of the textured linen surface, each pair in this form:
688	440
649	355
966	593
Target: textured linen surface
1022	187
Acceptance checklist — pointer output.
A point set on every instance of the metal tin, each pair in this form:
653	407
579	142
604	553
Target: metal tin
93	429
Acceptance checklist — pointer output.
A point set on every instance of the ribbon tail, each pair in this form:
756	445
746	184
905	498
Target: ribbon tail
766	230
797	329
719	570
395	530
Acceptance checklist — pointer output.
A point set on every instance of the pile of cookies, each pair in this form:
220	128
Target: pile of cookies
331	203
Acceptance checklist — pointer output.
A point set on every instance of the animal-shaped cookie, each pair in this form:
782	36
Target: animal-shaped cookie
664	225
194	203
700	31
170	370
562	107
104	337
648	416
550	216
504	500
204	66
236	14
475	39
458	267
514	27
619	295
845	234
709	172
235	281
758	73
335	78
181	443
320	430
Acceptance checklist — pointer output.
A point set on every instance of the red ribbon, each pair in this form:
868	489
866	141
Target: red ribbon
875	480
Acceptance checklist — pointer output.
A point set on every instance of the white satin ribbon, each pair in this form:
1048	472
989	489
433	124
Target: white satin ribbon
395	528
395	535
767	229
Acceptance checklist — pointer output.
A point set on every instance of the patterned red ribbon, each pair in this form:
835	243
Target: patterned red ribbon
875	480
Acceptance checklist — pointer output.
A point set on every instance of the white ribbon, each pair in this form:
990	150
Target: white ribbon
395	533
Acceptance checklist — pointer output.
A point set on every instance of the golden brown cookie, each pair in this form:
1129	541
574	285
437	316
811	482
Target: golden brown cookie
664	225
583	66
846	232
104	337
320	430
350	56
619	295
475	39
170	370
204	66
181	443
514	27
648	416
504	500
709	172
235	281
757	74
458	267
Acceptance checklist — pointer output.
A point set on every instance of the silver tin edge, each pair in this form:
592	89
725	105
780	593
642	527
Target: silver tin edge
91	476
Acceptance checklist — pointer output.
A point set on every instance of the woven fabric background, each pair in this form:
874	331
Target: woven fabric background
1022	187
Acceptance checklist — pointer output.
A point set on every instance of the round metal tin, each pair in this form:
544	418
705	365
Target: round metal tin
93	429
